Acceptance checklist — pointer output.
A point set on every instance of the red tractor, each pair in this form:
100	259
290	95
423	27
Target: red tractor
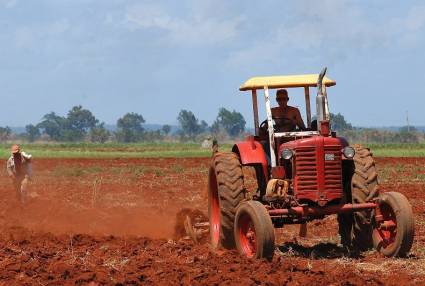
302	175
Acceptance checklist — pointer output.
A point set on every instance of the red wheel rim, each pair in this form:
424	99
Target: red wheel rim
386	232
214	210
247	237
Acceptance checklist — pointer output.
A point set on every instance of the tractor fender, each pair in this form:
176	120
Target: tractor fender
250	153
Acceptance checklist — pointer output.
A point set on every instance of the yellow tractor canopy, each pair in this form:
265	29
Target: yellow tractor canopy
284	81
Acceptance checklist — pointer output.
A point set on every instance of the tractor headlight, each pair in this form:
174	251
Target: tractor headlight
348	152
287	153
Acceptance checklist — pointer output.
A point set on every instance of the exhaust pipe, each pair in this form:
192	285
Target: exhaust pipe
322	109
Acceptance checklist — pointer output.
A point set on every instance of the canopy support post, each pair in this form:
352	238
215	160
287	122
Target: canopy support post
270	127
255	109
307	105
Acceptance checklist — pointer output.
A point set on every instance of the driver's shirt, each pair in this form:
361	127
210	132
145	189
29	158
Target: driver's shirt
288	119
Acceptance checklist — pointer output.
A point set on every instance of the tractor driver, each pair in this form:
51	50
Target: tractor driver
286	117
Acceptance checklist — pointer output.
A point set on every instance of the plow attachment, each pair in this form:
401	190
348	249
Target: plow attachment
197	230
191	224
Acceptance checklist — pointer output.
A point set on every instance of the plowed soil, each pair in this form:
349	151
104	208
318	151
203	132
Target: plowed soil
112	222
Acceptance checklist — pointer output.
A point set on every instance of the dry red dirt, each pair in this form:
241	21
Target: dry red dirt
111	221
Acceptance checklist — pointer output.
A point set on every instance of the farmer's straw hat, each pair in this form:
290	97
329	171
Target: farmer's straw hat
15	149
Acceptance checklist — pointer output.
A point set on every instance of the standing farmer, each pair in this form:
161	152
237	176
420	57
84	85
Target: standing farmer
19	169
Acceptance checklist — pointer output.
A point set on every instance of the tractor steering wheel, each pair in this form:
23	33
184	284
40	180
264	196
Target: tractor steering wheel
264	128
279	122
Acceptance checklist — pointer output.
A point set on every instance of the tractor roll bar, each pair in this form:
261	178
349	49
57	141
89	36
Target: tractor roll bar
270	127
270	120
255	109
307	105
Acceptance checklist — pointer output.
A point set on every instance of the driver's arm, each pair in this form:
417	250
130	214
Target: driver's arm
299	119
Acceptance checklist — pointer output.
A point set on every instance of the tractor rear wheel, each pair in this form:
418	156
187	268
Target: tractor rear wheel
254	231
225	192
394	235
361	187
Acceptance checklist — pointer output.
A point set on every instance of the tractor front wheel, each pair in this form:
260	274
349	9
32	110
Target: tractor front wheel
254	231
225	192
393	236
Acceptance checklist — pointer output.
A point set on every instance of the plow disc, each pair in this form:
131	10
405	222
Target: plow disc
191	224
197	230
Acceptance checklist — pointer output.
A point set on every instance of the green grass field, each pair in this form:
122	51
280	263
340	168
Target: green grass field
397	150
112	150
156	150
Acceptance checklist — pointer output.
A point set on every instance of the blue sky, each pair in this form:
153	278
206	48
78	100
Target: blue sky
158	57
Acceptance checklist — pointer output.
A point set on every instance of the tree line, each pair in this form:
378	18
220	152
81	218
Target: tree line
405	134
81	125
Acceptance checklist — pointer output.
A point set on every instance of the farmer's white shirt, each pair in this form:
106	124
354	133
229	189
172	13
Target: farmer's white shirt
26	165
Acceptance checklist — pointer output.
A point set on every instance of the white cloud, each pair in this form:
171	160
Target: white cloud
24	37
336	28
196	29
57	28
416	18
149	17
8	3
408	30
28	36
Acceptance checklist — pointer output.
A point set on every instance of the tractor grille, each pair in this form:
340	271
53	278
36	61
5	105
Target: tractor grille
318	178
333	170
306	168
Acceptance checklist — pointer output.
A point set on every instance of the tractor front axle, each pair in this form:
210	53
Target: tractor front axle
304	211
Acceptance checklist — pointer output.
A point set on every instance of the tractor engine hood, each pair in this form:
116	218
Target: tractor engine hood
311	141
